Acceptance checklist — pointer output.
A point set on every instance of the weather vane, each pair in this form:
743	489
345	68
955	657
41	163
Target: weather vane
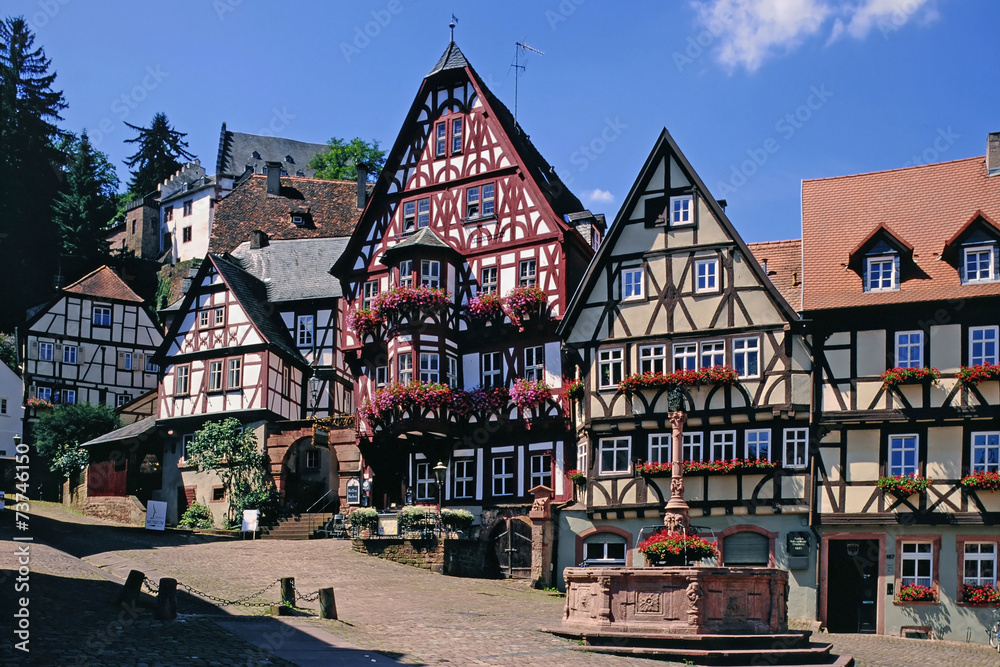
451	25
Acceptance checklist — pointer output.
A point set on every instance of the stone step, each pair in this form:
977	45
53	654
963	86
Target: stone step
297	526
815	654
702	642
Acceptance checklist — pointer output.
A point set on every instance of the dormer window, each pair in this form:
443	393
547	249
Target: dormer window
979	264
883	260
289	160
255	155
681	210
882	273
298	220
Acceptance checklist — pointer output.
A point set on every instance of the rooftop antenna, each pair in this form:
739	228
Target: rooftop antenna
518	47
451	25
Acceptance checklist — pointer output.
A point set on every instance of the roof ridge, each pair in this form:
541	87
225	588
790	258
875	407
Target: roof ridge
307	178
774	242
889	171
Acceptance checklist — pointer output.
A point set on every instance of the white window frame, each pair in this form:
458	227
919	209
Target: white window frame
539	471
406	273
456	134
582	454
69	354
424	482
370	291
754	440
534	362
127	361
220	316
67	396
46	352
488	200
464	478
982	337
870	273
723	442
903	443
916	557
440	139
706	282
685	357
979	557
990	252
234	373
410	215
983	444
796	448
430	367
653	358
681	210
715	351
105	320
909	345
122	399
746	351
492	369
633	283
660	448
405	367
503	475
423	212
693	446
151	366
3	406
614	447
44	393
472	202
304	327
381	375
215	375
451	374
610	367
182	380
527	273
601	543
430	273
488	280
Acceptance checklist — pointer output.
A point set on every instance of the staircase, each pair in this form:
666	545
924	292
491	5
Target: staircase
302	526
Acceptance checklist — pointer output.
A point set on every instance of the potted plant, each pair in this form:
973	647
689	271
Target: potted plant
666	549
364	519
39	403
973	375
896	376
528	393
363	322
903	486
982	481
413	519
915	593
526	303
576	476
455	520
486	308
574	390
411	303
985	594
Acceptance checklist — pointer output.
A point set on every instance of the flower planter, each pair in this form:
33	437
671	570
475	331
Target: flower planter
903	486
897	376
973	375
676	549
982	481
980	595
915	593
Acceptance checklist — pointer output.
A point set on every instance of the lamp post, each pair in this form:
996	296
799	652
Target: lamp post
439	472
314	384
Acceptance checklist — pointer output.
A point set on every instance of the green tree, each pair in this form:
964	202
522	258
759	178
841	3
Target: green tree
158	156
87	202
340	160
29	174
8	351
59	432
232	453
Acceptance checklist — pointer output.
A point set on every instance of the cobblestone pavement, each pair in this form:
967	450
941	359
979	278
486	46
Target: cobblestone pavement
409	614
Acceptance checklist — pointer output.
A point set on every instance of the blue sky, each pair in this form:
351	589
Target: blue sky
759	94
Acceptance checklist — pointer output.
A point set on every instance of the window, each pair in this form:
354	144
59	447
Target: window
135	226
686	357
188	206
186	441
489	205
381	375
45	351
406	273
203	319
978	265
796	447
182	380
488	280
150	366
186	235
102	316
582	456
218	493
68	396
503	476
370	292
526	273
692	447
430	273
286	382
632	280
982	345
902	455
659	448
312	459
3	406
406	367
681	212
125	361
986	452
610	367
168	213
464	478
234	379
758	444
615	455
122	399
44	393
653	358
746	357
472	202
918	563
409	216
604	549
440	139
534	363
706	275
69	354
452	373
220	316
430	367
980	568
713	354
723	445
881	274
910	349
541	471
456	135
215	376
425	482
304	330
423	213
492	369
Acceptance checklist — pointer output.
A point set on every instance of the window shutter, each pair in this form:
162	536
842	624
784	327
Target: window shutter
138	362
961	268
895	275
33	350
121	360
57	354
865	274
32	391
996	262
746	548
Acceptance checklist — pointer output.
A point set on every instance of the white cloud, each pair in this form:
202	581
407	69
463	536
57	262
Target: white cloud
599	195
886	15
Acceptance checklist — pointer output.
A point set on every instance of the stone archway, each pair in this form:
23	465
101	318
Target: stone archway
304	475
510	547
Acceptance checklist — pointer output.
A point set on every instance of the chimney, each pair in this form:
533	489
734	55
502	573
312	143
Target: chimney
274	178
258	239
362	185
993	154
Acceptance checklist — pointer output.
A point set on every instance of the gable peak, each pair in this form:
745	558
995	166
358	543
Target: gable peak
452	58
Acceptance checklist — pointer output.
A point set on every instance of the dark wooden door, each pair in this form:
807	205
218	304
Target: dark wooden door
852	586
512	546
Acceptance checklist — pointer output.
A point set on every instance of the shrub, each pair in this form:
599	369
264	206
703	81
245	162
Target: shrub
456	519
364	517
412	517
197	516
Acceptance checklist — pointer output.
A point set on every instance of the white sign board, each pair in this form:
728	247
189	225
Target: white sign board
250	520
156	515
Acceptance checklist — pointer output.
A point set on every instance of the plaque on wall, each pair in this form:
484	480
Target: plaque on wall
797	543
353	492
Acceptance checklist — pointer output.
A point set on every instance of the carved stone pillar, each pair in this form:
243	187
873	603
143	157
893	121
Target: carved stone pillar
675	517
542	532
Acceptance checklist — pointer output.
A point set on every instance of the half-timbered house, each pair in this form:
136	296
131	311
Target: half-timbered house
675	299
465	209
901	283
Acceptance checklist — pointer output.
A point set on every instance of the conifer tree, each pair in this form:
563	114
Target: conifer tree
158	156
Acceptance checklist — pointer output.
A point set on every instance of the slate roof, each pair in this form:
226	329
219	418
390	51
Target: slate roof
330	207
294	270
236	151
452	58
425	238
782	261
133	430
923	206
103	283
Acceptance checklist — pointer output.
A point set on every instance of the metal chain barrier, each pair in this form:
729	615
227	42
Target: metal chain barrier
151	585
243	601
307	597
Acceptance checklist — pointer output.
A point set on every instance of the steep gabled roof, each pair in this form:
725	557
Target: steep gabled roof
782	262
925	206
294	269
452	58
665	143
236	150
103	283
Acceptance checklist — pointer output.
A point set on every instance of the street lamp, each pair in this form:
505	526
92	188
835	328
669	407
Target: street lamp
439	472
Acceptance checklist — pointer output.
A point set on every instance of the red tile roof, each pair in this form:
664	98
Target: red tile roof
103	283
923	206
330	207
782	260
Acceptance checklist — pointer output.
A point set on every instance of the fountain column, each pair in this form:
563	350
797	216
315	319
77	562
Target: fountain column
675	517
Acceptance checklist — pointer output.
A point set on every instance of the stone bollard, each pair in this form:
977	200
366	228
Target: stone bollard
327	604
288	591
129	593
166	600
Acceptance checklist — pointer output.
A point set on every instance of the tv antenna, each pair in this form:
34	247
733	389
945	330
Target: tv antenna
518	47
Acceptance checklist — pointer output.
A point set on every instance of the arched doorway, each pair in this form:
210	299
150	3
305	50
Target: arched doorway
305	470
510	545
